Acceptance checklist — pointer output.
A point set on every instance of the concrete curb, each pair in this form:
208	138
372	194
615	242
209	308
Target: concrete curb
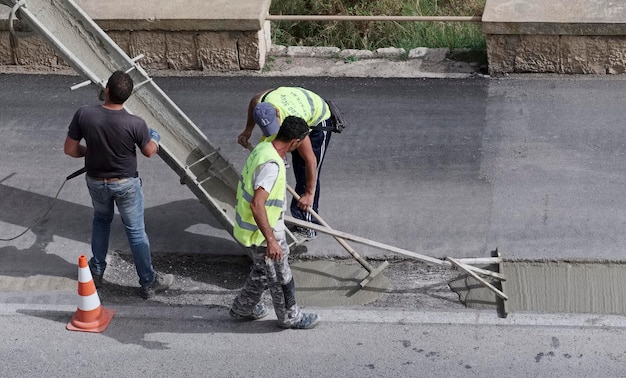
390	62
349	315
283	61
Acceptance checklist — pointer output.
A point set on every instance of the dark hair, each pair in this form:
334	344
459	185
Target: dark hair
120	86
292	128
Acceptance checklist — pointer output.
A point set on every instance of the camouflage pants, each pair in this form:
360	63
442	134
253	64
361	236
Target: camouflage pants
275	276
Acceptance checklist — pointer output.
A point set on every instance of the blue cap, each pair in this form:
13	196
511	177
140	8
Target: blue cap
265	116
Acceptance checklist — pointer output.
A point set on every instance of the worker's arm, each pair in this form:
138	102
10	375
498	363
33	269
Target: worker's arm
244	137
274	251
310	166
73	148
152	147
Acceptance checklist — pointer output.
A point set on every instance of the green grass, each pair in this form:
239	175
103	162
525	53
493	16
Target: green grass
371	35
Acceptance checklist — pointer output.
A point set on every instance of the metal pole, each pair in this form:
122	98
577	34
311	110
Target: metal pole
373	18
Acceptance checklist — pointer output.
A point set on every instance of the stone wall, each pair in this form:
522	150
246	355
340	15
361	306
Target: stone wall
235	39
558	36
568	54
208	51
534	36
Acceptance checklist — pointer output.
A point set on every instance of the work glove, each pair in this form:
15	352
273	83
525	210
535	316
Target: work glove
155	136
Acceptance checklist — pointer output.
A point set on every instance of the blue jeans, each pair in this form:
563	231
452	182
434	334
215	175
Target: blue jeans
128	196
319	142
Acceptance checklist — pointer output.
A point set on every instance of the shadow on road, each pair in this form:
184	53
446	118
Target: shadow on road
138	332
184	227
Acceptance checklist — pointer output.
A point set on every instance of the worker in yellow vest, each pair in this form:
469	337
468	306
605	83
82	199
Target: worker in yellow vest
268	109
259	226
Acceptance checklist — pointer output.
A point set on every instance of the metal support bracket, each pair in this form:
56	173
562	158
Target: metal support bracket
13	17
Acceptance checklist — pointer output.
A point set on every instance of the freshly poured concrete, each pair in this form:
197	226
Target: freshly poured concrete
324	283
568	287
551	286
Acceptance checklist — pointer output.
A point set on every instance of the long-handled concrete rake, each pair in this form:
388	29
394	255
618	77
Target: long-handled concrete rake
372	272
449	262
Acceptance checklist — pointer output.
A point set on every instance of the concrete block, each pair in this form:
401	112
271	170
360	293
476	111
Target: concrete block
152	45
218	52
436	54
389	52
34	51
616	46
6	50
501	53
122	39
523	53
537	54
181	51
575	52
321	52
418	52
358	54
593	55
251	51
278	50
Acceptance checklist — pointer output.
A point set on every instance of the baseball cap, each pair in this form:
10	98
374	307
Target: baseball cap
265	116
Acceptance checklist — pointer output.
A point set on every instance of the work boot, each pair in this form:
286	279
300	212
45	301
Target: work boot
259	312
97	277
159	285
306	233
307	321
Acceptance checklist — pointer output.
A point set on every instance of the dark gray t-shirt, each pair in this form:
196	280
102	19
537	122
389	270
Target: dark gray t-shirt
111	137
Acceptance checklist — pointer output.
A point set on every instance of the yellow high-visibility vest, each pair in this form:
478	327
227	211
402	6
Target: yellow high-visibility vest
299	102
245	229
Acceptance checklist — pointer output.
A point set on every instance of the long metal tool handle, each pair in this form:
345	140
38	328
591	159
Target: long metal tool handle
341	241
469	271
361	240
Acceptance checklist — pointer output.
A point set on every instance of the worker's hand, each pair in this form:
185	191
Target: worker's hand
243	138
155	136
274	251
305	201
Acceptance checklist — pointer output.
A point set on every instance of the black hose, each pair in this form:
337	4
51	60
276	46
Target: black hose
37	221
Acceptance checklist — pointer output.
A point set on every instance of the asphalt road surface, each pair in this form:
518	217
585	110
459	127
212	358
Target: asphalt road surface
443	167
532	166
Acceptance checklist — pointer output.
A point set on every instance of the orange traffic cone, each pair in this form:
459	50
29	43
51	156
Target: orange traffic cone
90	315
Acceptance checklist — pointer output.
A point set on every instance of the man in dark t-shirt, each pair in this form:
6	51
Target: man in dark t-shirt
111	137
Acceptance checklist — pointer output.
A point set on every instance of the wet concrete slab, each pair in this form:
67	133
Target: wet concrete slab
327	283
550	287
565	287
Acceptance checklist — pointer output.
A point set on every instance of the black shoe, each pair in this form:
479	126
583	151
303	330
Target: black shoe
306	233
97	278
307	321
159	285
259	312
